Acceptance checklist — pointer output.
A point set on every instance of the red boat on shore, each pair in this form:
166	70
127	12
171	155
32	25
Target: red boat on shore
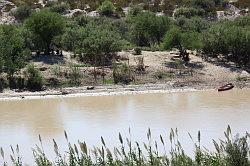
226	87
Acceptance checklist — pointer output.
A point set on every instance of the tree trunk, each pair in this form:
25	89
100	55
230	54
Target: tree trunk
47	51
103	76
95	68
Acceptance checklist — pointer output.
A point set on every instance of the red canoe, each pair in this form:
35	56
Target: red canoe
226	87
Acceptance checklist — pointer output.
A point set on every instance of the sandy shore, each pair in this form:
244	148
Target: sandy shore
103	91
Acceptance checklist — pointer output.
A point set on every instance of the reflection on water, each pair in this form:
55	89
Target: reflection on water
88	118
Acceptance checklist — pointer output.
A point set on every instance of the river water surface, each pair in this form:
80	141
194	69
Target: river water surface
89	118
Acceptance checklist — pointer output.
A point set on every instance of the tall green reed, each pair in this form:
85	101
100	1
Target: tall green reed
232	151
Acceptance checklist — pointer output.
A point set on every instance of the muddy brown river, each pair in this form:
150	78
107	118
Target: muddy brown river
89	118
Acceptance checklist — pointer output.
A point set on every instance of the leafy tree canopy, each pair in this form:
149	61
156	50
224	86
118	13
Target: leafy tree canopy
45	26
182	40
13	54
147	28
98	43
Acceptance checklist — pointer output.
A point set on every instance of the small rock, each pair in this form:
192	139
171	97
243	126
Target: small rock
93	14
90	88
244	74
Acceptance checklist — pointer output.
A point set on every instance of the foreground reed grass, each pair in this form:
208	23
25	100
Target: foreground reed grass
232	151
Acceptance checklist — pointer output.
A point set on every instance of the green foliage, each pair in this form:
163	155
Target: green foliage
134	11
35	80
83	20
163	74
189	12
70	38
213	40
230	39
122	74
22	12
195	24
74	75
182	40
107	8
13	54
209	6
60	8
205	4
45	26
99	44
147	28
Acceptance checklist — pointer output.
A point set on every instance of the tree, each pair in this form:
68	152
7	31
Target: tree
182	40
214	40
70	38
107	8
209	6
99	45
13	53
45	26
230	40
148	29
196	24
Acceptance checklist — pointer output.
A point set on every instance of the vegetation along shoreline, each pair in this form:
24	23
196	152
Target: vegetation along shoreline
230	151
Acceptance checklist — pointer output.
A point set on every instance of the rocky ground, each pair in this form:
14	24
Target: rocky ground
235	9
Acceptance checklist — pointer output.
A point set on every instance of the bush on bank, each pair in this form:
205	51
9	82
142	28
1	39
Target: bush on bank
34	79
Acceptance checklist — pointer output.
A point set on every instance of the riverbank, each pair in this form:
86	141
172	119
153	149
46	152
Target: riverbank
105	90
163	74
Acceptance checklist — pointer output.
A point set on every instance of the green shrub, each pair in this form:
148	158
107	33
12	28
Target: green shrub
45	27
83	20
22	12
74	75
196	24
205	4
35	80
16	82
134	11
107	8
163	74
122	74
60	8
189	12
